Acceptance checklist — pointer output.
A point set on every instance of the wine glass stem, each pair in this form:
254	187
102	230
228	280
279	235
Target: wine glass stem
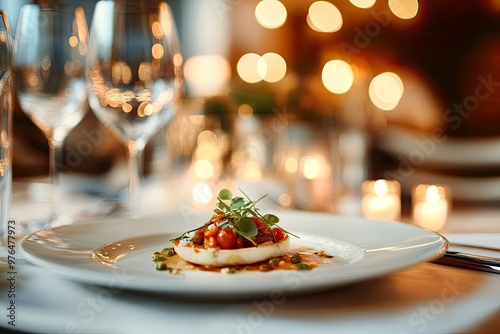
135	169
55	155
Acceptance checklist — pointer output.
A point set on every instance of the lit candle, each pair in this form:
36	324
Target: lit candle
431	204
317	173
381	199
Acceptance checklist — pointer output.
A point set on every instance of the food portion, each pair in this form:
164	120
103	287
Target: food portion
237	238
302	258
236	234
217	257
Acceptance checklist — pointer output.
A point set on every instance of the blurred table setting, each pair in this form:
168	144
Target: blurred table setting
370	128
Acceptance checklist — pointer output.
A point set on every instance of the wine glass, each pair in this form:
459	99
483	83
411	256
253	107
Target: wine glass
49	75
134	72
5	126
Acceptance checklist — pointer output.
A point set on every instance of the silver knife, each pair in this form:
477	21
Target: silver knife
470	261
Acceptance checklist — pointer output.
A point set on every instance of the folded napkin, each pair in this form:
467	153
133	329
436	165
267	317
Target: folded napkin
476	243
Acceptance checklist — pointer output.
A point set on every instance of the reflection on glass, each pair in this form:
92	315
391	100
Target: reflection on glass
5	126
49	76
134	71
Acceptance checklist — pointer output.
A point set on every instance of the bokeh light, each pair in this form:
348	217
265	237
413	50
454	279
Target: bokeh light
337	76
291	165
363	3
323	16
207	75
203	169
270	14
275	67
380	188
253	68
432	194
315	167
251	171
404	9
285	201
247	68
157	51
385	90
245	110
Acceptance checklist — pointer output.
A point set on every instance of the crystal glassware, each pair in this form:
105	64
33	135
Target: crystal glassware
5	127
134	72
49	77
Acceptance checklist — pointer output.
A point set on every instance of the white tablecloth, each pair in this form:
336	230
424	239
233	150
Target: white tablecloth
425	298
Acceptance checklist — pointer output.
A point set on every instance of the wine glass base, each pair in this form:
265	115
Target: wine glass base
31	225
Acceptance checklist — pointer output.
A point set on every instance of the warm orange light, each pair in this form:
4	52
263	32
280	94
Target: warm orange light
207	137
144	71
337	76
291	165
253	68
404	9
157	51
248	68
157	30
275	67
73	41
203	169
270	14
385	90
380	188
314	167
251	171
323	16
207	75
245	110
363	3
81	23
126	107
165	19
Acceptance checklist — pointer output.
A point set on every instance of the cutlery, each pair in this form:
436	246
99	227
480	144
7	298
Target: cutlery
470	261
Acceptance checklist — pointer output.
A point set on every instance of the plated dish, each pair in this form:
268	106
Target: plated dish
236	234
118	252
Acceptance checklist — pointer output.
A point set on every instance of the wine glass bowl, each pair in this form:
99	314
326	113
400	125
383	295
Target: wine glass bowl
49	69
134	75
49	78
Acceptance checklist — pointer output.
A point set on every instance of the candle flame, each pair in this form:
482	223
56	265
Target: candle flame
380	187
432	194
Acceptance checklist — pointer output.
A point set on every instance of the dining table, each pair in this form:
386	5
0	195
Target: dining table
424	297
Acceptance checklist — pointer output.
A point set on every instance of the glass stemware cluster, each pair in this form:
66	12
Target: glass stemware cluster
134	70
128	68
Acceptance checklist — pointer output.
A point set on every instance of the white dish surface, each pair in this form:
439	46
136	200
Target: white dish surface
362	249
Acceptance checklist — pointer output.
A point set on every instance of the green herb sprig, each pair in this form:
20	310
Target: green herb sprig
238	213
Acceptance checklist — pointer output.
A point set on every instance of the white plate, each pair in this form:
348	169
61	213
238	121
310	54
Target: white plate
363	249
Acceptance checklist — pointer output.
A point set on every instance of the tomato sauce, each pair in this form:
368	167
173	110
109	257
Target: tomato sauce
302	258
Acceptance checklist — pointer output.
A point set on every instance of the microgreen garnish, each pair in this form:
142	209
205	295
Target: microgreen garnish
239	214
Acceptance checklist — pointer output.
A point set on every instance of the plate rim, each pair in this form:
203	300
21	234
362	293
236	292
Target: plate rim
315	282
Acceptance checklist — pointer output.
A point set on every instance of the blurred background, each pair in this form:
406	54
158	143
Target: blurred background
310	98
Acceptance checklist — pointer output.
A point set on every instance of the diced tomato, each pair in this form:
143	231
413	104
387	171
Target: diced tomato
239	243
258	222
278	234
211	231
226	238
261	226
210	242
